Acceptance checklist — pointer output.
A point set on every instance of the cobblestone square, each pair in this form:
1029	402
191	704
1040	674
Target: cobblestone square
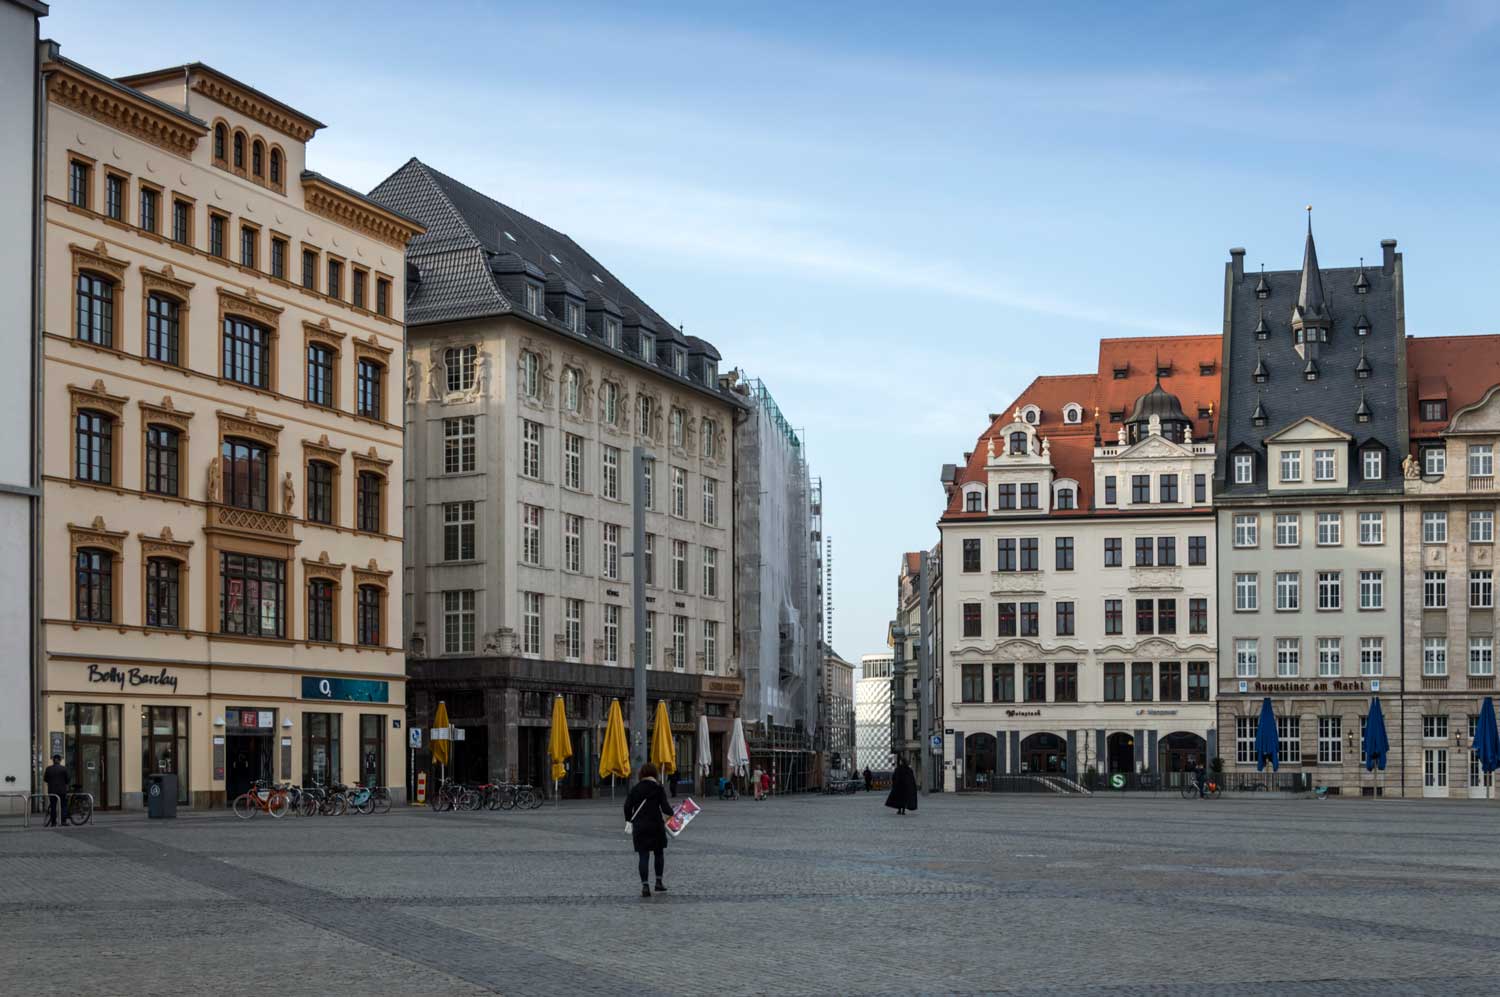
998	894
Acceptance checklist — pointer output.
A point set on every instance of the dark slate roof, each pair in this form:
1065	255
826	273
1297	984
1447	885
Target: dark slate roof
472	239
1335	397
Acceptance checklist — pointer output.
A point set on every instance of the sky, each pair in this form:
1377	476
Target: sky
898	216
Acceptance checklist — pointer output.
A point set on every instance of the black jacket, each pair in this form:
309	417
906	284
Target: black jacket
648	831
56	778
903	795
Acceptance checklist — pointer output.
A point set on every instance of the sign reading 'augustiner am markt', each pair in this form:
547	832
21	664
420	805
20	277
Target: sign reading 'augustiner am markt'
1337	685
121	677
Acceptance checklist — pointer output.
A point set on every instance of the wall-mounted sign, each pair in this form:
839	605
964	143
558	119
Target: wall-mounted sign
1023	713
1335	685
121	677
1147	711
346	690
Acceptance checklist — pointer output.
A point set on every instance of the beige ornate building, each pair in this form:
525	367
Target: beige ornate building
223	444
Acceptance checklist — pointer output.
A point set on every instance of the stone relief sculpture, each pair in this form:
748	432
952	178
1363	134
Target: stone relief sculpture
1410	469
212	491
481	384
288	494
547	378
413	373
437	377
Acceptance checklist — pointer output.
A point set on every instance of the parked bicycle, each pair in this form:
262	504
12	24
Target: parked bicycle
262	798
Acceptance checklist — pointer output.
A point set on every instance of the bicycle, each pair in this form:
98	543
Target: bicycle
727	790
261	798
1211	789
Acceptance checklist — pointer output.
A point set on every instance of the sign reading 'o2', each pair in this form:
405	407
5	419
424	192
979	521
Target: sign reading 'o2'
346	690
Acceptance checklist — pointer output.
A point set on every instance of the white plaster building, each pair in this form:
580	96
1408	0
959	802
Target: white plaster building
872	713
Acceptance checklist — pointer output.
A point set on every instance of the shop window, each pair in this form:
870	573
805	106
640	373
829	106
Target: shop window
320	749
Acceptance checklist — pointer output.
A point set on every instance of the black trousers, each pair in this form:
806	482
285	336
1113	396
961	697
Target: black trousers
53	801
645	857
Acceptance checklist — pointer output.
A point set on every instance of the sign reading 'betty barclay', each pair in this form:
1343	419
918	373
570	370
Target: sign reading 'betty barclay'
121	677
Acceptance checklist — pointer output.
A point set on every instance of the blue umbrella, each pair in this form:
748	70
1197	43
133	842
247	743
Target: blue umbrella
1487	738
1377	745
1267	742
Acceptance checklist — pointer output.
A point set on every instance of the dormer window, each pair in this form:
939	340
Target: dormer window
1018	442
1164	370
1362	369
648	348
573	317
1117	415
1262	374
1031	415
1244	469
1066	498
1362	327
1311	370
710	372
1262	331
1372	464
974	499
612	332
533	299
679	363
1363	413
1435	410
1262	289
1072	414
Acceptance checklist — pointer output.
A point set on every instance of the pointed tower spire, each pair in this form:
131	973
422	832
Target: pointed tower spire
1311	307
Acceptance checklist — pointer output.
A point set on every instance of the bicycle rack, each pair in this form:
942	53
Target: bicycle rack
25	799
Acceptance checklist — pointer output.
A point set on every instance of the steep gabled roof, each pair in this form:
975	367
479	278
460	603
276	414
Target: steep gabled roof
1458	369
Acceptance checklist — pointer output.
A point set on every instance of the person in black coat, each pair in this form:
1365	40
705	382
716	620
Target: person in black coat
56	780
869	779
903	795
647	808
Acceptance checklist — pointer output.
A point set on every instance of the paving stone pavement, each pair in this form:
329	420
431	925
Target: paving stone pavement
1108	897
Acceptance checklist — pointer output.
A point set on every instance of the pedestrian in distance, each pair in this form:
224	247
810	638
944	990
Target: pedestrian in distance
765	786
56	780
1202	774
869	779
903	795
646	811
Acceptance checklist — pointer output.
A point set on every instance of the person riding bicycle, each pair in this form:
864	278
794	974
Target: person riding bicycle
1200	772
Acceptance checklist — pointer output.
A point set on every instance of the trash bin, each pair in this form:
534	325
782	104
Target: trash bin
161	795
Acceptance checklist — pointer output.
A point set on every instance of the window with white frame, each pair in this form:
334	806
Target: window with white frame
710	646
1481	656
1288	591
1244	469
710	502
533	299
1246	591
572	543
1434	461
648	478
1482	589
1288	657
531	623
647	564
1291	465
1330	657
458	622
1373	465
609	472
458	531
1434	590
612	332
1481	460
572	389
1246	657
1435	727
1434	656
1325	466
679	493
1330	529
1371	528
458	361
1244	739
1481	526
531	374
1330	740
1289	732
573	628
459	445
1330	590
531	449
611	634
1246	530
1371	657
645	411
1434	526
531	535
679	565
677	426
609	403
650	640
610	552
1288	529
710	438
679	643
1372	590
710	572
573	461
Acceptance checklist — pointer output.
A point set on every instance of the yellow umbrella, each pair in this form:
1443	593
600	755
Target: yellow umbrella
663	751
614	757
560	746
442	749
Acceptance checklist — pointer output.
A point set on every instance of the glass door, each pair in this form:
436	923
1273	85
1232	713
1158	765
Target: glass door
92	751
1435	772
164	745
371	750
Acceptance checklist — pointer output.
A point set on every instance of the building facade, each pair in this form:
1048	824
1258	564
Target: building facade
1078	578
836	706
872	714
532	374
909	643
1448	563
20	492
222	527
1309	482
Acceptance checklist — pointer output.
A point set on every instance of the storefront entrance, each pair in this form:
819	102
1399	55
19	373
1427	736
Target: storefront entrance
249	750
979	761
92	751
1045	754
1181	754
1120	752
164	745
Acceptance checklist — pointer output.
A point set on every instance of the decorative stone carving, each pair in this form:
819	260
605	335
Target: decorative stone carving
481	384
1121	436
437	376
1153	425
288	493
211	492
1046	448
1410	469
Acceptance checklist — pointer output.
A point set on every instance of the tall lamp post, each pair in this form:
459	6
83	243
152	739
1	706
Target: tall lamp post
639	457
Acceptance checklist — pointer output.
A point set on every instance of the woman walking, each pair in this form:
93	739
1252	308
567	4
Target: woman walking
646	809
903	795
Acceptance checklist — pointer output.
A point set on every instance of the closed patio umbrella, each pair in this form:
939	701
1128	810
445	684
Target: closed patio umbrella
1376	745
663	750
442	747
559	744
737	756
614	757
705	760
1486	744
1267	741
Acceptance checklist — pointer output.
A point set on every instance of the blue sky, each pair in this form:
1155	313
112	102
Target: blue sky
897	218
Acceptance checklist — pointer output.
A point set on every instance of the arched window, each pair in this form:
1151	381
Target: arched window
1072	413
239	150
368	396
275	167
258	158
94	572
369	614
247	352
221	141
644	413
609	398
247	474
1066	498
367	513
96	309
1018	442
974	501
94	444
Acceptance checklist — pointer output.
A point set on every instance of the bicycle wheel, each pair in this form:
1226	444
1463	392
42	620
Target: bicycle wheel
534	799
80	810
309	805
381	804
1189	789
244	809
366	806
277	804
1214	790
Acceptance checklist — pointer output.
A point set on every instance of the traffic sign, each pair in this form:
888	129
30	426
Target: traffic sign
937	742
458	733
414	737
1117	781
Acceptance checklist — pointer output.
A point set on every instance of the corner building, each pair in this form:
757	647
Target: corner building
1309	486
223	446
533	373
1078	575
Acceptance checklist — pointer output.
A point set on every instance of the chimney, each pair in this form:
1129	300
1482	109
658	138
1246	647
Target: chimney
1237	260
1388	256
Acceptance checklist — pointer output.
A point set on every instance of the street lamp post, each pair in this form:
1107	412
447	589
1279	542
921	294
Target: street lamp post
639	457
